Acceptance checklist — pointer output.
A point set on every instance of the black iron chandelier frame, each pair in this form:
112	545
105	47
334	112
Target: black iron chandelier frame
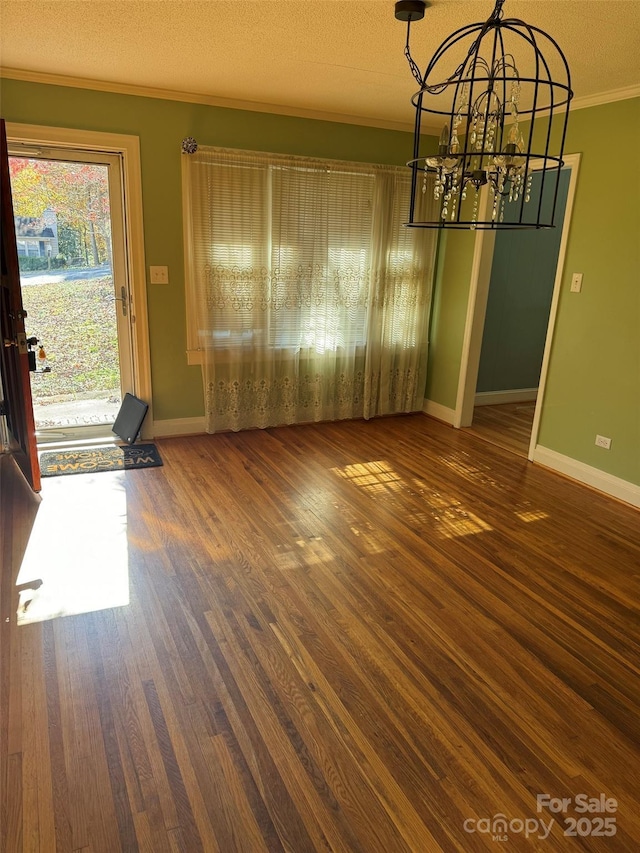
482	141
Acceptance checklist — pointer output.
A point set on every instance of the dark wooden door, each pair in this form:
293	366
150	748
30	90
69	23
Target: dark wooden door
14	361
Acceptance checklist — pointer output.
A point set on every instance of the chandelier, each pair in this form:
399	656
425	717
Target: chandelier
500	114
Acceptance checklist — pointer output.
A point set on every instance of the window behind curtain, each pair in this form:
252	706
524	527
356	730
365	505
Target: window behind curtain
230	267
281	251
306	296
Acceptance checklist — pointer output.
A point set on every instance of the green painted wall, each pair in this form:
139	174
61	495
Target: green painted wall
161	125
593	384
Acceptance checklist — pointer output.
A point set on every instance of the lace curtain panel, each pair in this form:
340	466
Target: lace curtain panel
307	299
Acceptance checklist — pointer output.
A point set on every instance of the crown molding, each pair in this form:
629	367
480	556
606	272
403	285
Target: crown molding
197	98
275	109
605	98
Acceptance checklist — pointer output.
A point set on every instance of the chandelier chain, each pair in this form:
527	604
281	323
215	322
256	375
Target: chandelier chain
437	88
412	63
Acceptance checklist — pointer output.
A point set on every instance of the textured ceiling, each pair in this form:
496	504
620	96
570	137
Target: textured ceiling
331	56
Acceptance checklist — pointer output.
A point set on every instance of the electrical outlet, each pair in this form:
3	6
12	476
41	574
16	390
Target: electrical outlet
602	441
159	275
576	282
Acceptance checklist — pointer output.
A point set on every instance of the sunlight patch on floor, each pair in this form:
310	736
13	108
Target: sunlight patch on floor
452	518
532	515
77	547
463	464
449	514
373	477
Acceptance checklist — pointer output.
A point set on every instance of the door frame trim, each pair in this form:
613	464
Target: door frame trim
128	147
476	310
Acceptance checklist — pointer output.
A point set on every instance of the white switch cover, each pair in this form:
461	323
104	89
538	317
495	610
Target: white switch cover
159	275
576	282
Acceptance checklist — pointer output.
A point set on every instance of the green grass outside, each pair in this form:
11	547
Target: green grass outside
76	323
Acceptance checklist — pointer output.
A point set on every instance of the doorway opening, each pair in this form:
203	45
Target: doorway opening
71	250
511	317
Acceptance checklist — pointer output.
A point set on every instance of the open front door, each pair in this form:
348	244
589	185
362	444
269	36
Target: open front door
15	390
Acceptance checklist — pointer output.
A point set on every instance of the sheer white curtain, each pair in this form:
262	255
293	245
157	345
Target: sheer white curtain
307	299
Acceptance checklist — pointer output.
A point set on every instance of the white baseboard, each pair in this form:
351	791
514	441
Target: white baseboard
438	411
495	398
178	426
594	477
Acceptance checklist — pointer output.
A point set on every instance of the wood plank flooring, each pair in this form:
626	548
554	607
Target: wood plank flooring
507	425
365	636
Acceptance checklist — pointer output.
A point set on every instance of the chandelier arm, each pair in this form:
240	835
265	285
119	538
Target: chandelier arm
491	91
500	139
535	109
504	78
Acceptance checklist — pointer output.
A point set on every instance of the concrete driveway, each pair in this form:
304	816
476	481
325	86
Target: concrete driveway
53	276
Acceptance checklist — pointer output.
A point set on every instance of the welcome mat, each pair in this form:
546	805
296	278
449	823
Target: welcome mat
94	459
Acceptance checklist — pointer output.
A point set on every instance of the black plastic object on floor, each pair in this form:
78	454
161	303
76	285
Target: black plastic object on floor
129	419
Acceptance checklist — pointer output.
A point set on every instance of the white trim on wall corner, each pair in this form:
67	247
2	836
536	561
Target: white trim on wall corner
438	411
178	426
616	487
479	281
497	398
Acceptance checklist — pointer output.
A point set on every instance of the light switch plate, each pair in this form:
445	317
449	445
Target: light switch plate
159	275
576	282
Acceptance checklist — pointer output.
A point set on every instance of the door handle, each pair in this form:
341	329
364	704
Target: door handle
122	298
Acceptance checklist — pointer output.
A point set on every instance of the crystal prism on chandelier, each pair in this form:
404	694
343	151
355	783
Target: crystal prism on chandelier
501	103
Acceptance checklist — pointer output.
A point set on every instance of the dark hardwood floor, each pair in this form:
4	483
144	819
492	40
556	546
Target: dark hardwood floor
367	636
